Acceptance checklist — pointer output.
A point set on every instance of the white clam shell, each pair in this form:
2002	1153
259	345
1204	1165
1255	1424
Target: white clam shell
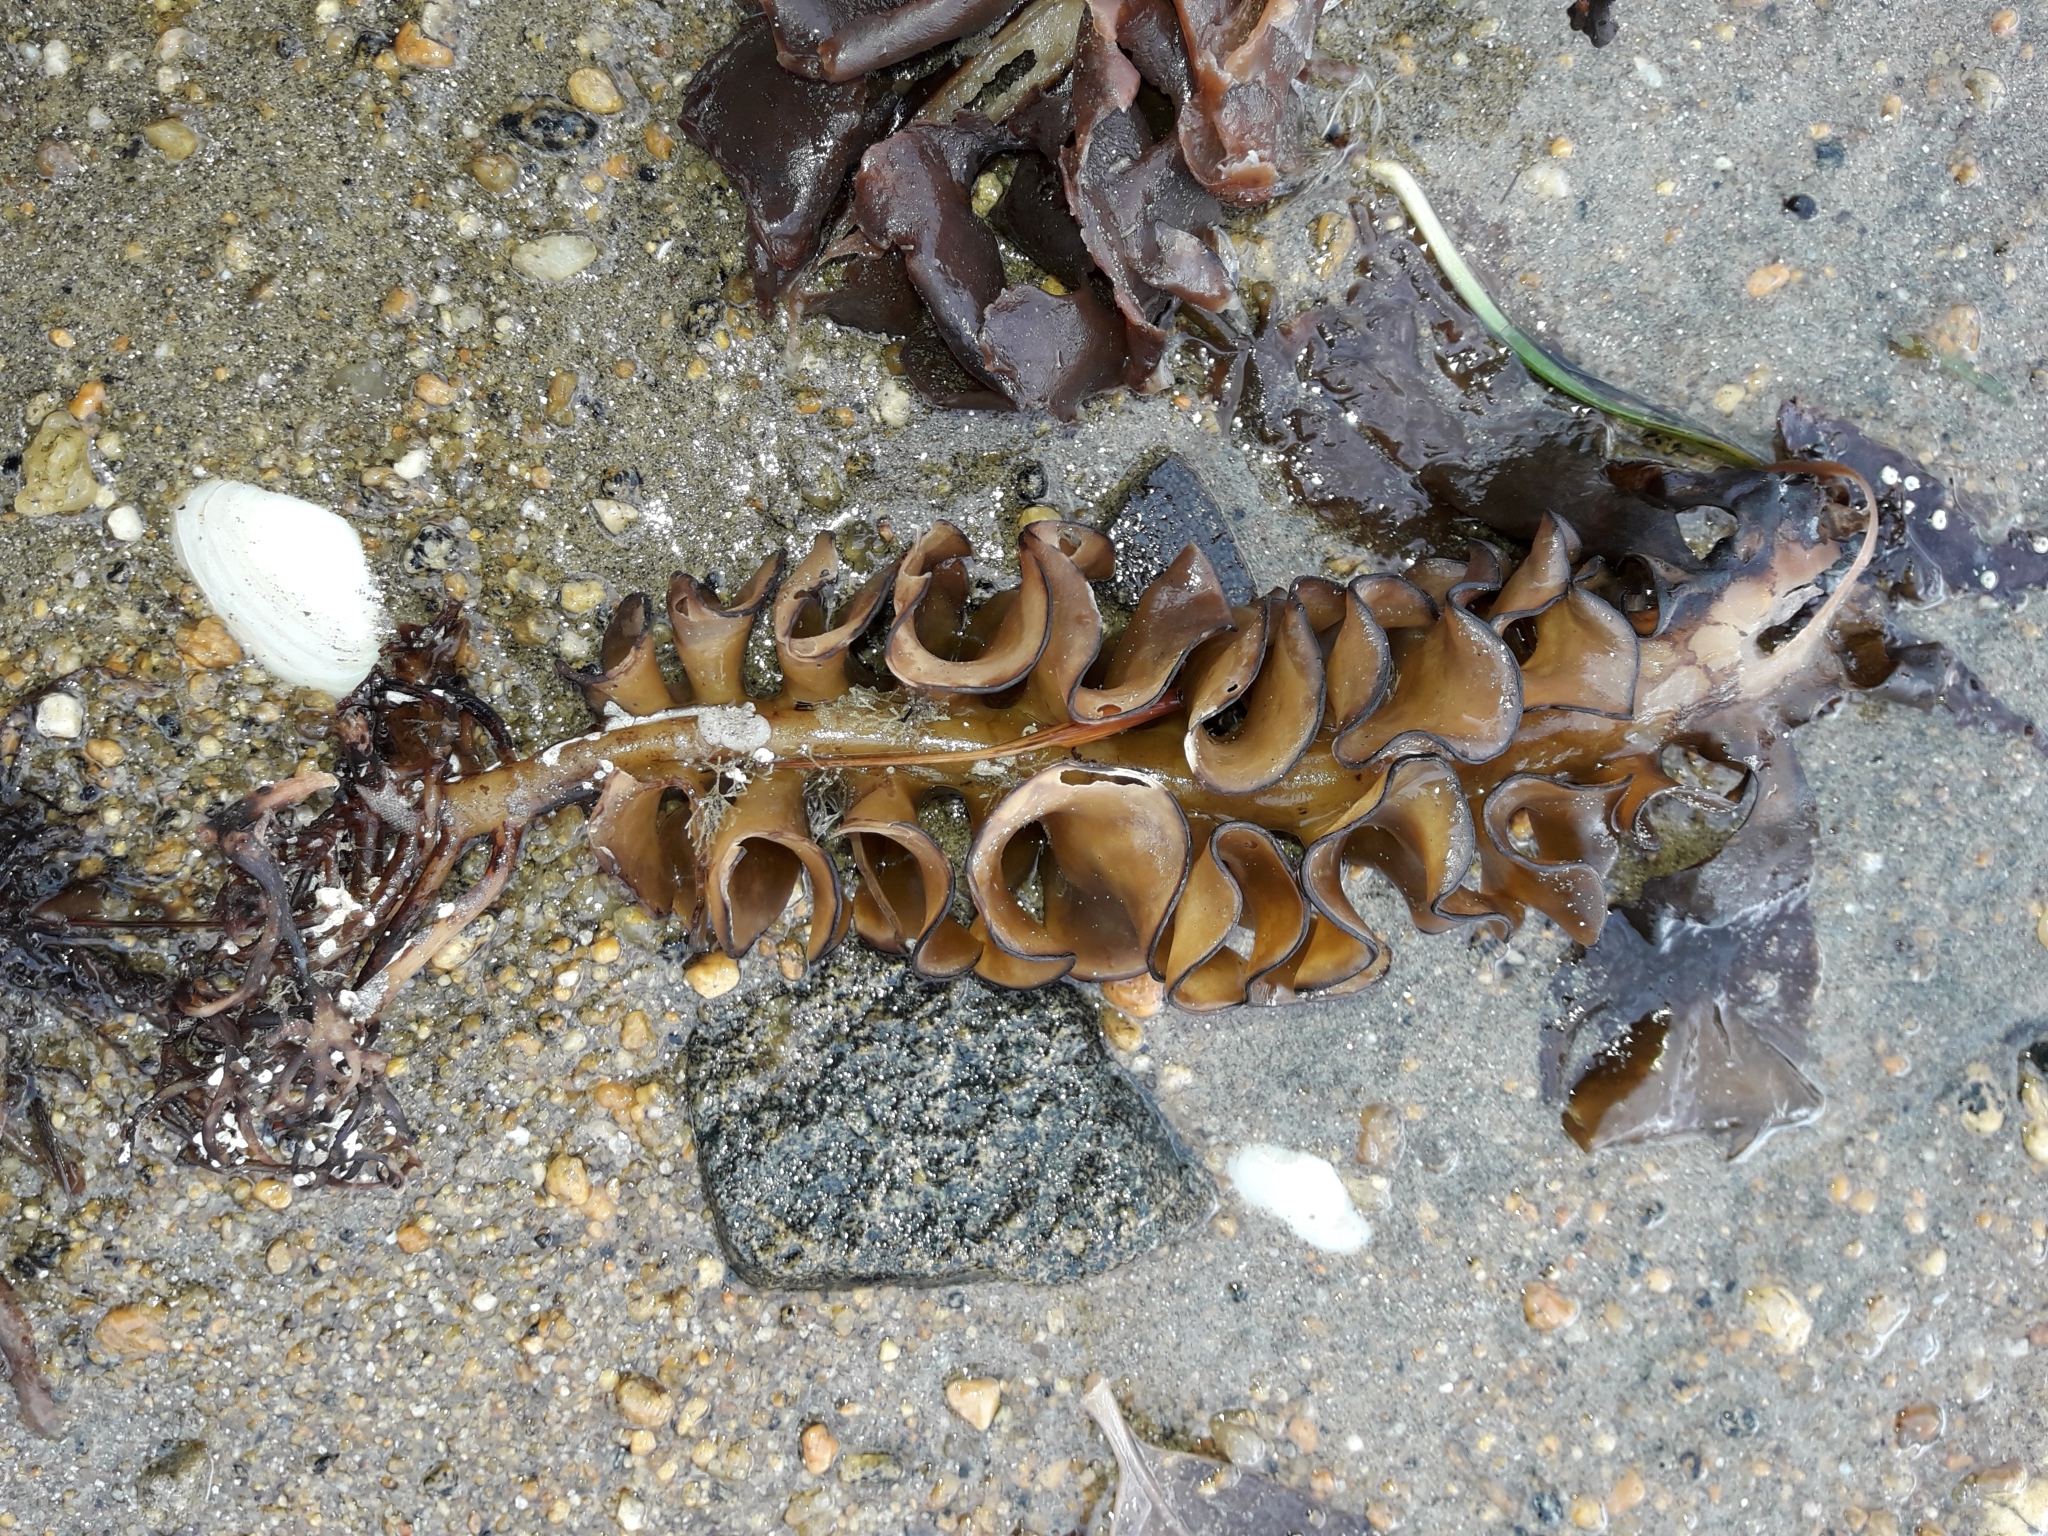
288	578
1301	1190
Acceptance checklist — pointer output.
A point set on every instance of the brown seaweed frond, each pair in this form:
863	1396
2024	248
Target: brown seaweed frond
1194	796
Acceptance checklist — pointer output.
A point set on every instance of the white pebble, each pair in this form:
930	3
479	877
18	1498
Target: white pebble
1304	1192
892	405
1648	73
614	516
56	59
60	716
125	524
554	258
412	465
1549	181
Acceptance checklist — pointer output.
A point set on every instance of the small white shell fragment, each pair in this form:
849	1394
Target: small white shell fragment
1301	1190
288	578
733	726
60	717
554	258
413	465
125	523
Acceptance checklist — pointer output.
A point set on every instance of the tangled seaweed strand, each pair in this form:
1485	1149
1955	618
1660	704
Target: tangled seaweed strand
53	949
273	1061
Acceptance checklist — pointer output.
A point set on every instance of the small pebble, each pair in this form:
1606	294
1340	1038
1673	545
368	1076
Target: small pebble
1141	997
1980	1109
1123	1032
272	1193
1800	206
125	523
1549	181
56	59
713	976
660	142
279	1257
582	596
416	50
2034	1140
974	1400
1769	279
2004	23
1918	1424
553	127
1331	237
400	305
554	258
56	470
435	390
631	1513
1985	88
818	1448
1561	148
892	405
60	717
567	1179
1380	1135
614	516
1240	1442
644	1402
1729	397
495	173
57	161
412	465
105	752
1933	1263
594	91
1589	1513
413	1238
89	401
1778	1315
1546	1308
172	138
132	1332
207	646
1628	1491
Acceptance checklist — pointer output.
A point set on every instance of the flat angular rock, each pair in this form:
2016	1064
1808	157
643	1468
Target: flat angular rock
1170	509
862	1127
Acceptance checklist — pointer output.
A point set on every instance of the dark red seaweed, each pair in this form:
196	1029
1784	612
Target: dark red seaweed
1930	545
1030	347
1241	125
1148	223
784	142
841	40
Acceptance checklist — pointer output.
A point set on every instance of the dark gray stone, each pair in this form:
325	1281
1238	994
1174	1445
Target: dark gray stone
1169	510
863	1127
